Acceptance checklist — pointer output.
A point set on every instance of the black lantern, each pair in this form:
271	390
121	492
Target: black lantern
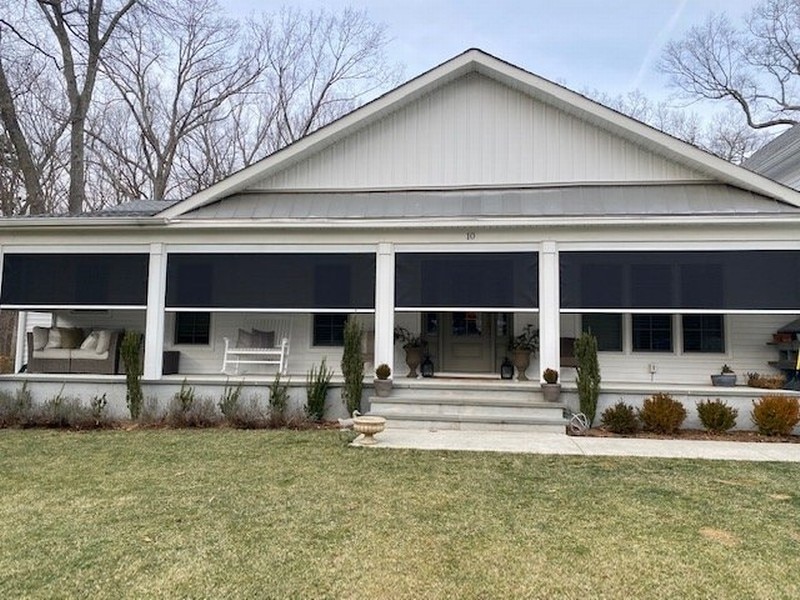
427	367
506	369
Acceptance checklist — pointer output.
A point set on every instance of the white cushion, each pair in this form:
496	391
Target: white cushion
53	339
103	341
90	343
89	354
52	353
40	335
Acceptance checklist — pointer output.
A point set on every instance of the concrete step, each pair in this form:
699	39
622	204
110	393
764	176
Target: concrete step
459	407
466	423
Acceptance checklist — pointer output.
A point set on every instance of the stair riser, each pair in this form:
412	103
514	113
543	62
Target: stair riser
457	426
521	394
388	410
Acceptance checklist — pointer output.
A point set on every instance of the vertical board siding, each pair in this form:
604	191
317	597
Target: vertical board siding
747	350
476	131
207	359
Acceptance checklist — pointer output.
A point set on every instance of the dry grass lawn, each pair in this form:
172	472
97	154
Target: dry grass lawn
266	514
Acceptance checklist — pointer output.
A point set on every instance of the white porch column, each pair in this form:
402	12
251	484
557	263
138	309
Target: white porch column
549	304
154	319
19	354
384	305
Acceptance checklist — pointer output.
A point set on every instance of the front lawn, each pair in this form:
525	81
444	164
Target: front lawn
279	514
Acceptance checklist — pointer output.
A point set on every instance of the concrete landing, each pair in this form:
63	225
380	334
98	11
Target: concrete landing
559	443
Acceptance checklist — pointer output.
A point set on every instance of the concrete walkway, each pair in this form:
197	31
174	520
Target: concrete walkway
559	443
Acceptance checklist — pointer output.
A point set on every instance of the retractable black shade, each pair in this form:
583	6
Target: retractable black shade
264	281
714	280
467	280
74	280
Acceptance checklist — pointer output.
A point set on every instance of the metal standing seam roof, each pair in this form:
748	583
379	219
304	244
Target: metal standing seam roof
576	201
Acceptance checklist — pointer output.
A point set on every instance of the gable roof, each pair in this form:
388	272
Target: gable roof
477	61
779	159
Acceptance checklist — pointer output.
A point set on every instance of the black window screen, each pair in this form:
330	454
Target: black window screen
192	328
607	328
74	279
652	333
298	281
468	280
712	280
703	333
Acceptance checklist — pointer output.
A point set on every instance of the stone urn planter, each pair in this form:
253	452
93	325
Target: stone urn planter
413	359
367	426
521	360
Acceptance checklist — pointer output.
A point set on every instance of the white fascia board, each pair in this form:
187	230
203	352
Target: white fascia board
473	224
73	222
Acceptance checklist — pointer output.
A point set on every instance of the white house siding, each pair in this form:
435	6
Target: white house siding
477	131
747	350
207	359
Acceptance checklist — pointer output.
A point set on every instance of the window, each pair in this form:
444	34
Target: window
652	333
607	328
192	328
329	329
703	333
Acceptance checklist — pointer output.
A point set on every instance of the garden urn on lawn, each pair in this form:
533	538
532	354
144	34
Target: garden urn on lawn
551	389
382	383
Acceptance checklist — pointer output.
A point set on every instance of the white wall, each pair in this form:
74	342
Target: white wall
477	131
747	349
207	359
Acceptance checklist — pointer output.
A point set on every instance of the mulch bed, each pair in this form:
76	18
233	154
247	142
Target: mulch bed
699	434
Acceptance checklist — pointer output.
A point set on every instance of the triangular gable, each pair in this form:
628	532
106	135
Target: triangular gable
640	149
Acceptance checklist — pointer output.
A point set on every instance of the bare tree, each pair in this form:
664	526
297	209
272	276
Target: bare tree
175	74
318	66
725	134
79	31
755	67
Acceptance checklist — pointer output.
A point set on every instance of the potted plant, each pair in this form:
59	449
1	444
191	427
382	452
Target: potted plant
413	344
726	377
551	389
521	347
382	383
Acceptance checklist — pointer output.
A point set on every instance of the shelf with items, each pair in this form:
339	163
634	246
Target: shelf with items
787	355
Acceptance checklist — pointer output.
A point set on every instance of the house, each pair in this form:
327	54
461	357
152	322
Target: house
467	203
778	159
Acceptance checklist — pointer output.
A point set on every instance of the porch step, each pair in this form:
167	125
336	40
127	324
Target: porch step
462	406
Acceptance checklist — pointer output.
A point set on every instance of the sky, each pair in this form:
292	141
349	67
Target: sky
611	46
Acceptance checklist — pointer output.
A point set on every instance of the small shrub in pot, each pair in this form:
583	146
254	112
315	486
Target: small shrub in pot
550	376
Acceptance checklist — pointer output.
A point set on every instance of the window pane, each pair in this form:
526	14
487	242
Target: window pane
329	329
192	328
652	333
703	333
607	328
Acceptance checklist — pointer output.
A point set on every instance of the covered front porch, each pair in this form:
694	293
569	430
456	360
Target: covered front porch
664	319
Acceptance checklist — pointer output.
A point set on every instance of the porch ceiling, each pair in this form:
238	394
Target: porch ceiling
572	201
